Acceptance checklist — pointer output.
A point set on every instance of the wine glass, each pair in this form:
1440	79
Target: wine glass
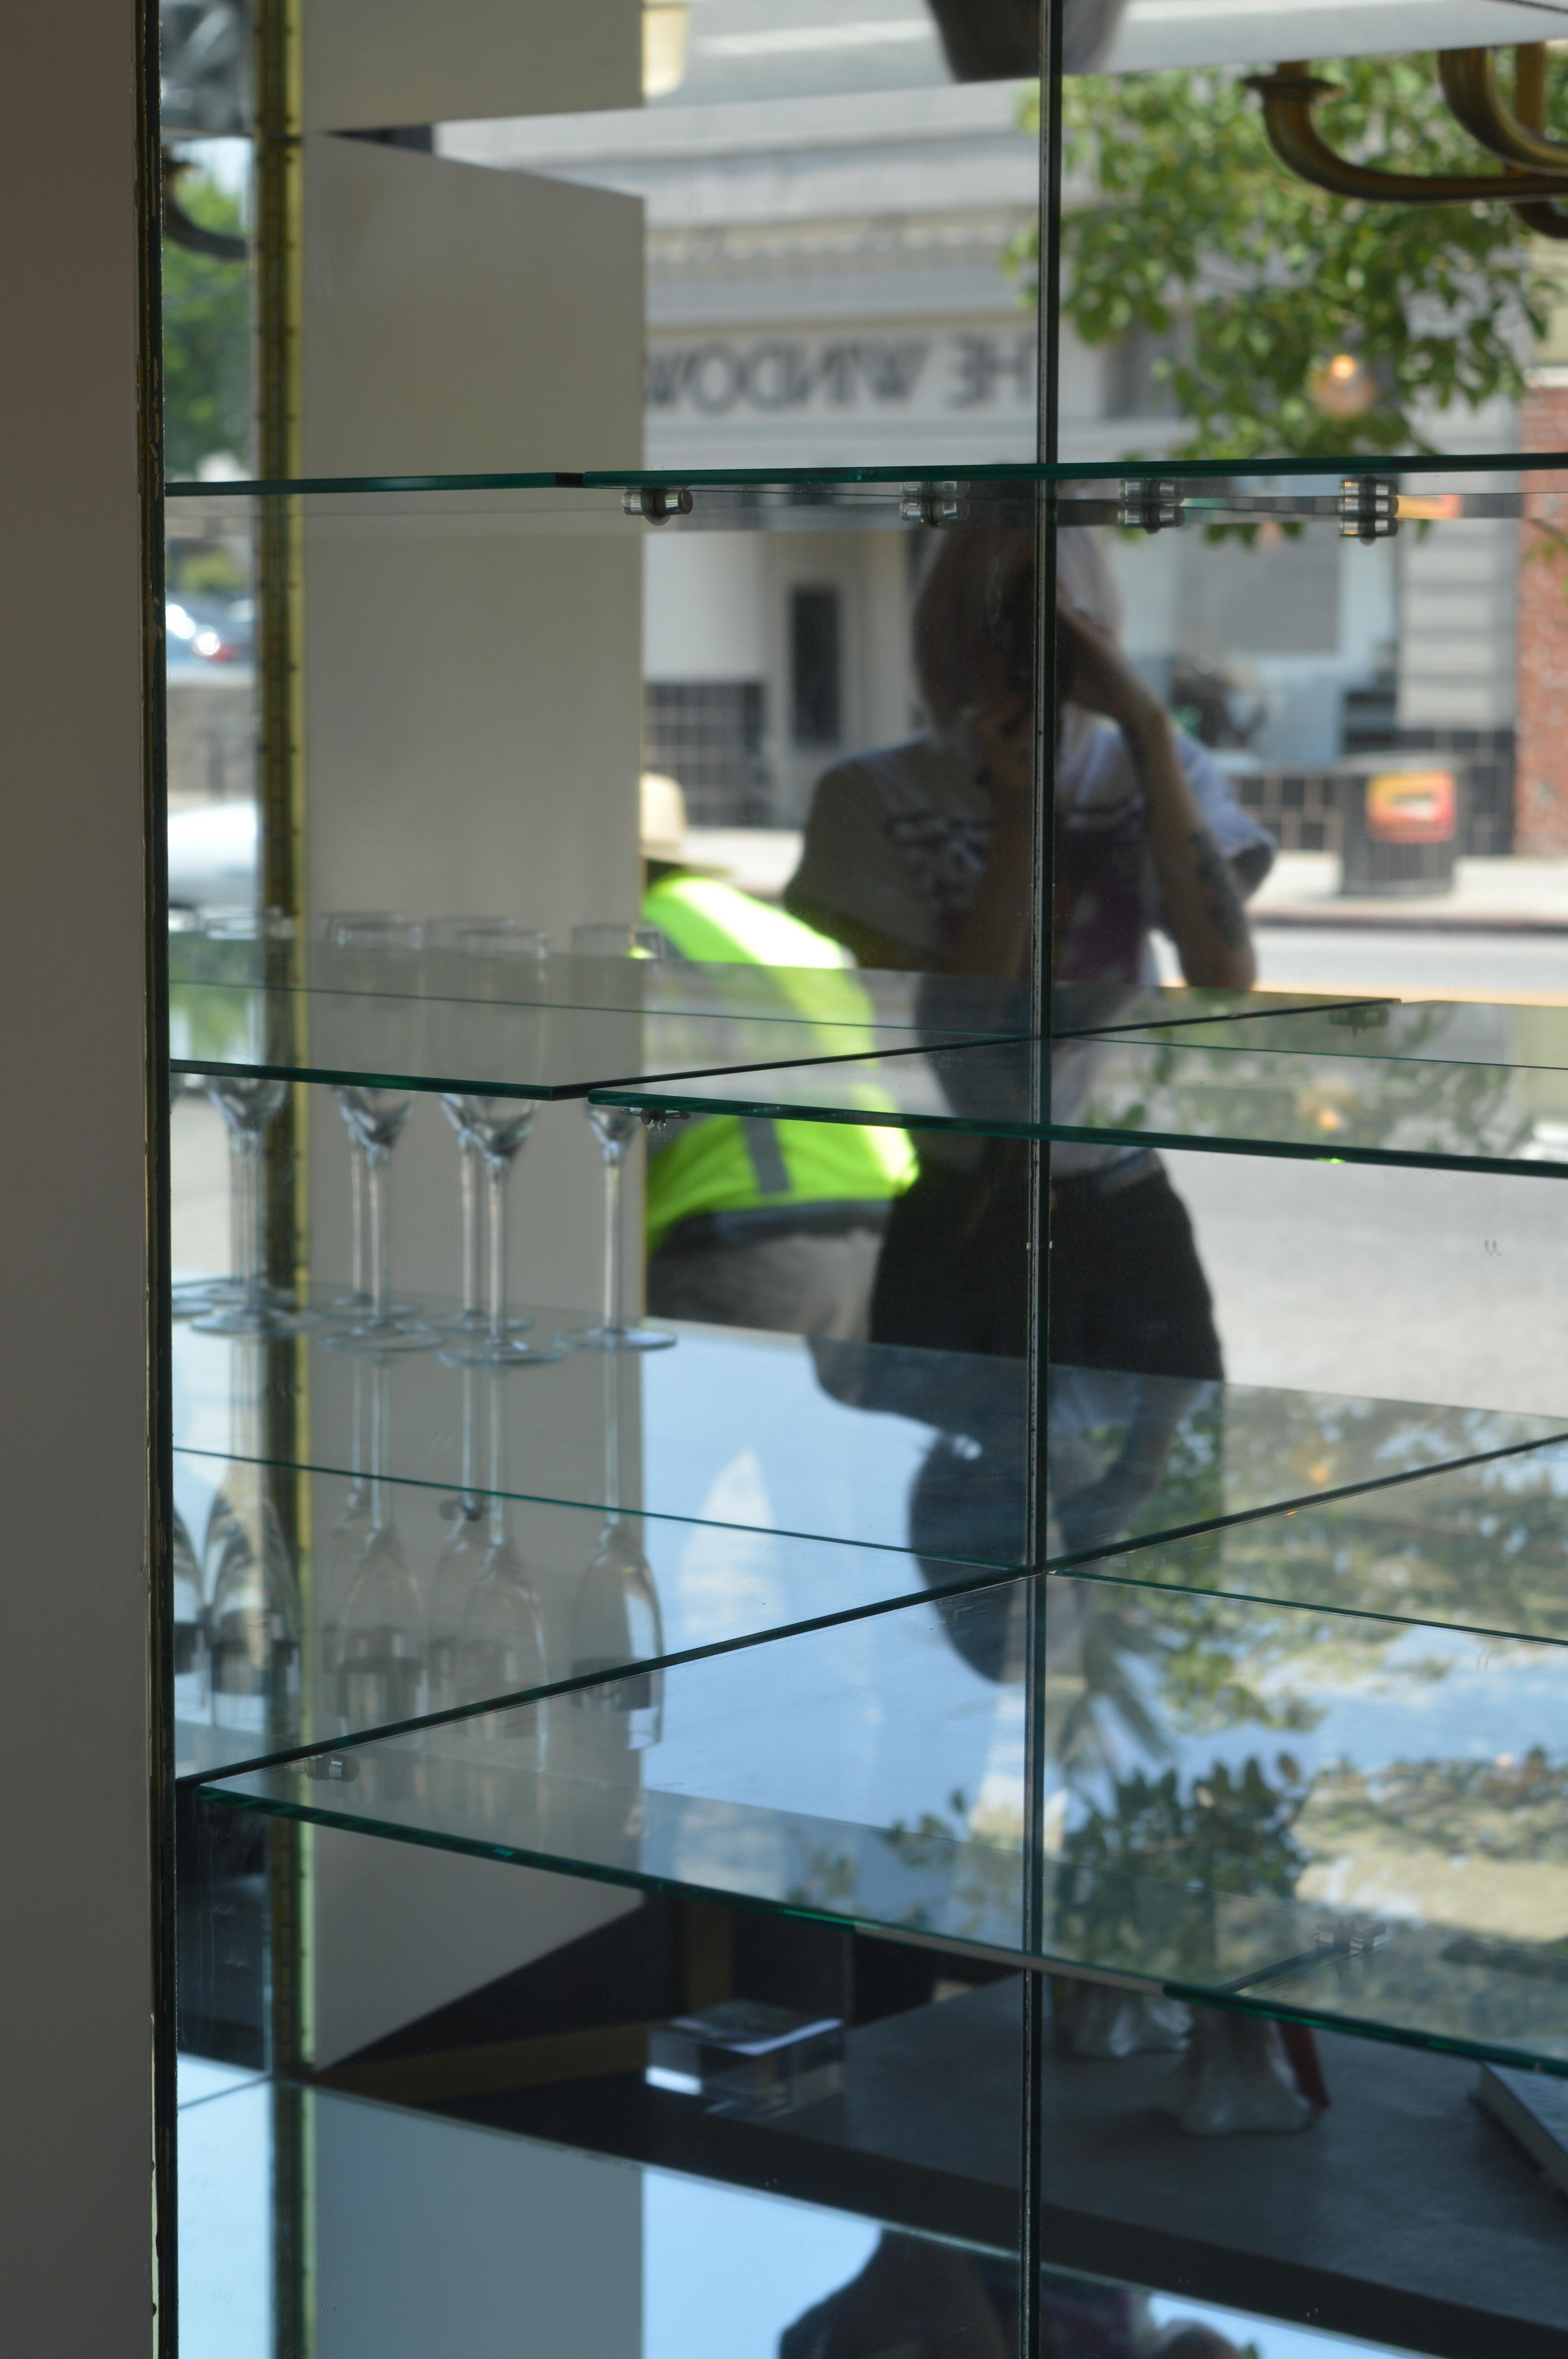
498	1127
254	1615
457	1566
249	1106
468	958
501	1642
376	1119
614	1127
342	1554
363	952
382	1642
616	1622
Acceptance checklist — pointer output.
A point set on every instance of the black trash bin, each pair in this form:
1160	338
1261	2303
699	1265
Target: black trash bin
1400	817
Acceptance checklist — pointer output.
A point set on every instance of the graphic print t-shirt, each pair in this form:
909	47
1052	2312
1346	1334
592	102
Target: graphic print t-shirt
898	840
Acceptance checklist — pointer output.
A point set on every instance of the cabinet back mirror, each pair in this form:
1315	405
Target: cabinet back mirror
868	850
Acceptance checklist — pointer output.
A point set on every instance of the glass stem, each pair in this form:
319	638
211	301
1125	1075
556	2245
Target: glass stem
468	1182
613	1276
247	1161
380	1424
497	1464
360	1285
239	1209
377	1160
496	1173
469	1438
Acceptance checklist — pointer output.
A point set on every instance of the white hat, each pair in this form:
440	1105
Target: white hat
661	818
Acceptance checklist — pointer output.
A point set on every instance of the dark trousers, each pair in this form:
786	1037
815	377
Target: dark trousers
1127	1288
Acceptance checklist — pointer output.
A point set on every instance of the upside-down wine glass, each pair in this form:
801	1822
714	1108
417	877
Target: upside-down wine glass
248	1107
498	1127
364	951
377	1118
381	1645
615	1128
501	1644
616	1620
457	1566
489	959
245	1123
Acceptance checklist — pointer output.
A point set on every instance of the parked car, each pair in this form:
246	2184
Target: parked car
207	631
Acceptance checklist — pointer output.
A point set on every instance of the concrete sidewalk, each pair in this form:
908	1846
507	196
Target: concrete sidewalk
1501	895
1509	895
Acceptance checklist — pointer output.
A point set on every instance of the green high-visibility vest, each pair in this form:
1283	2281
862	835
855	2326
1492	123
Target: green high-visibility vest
735	1163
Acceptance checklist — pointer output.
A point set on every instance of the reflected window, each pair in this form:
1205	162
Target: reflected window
816	667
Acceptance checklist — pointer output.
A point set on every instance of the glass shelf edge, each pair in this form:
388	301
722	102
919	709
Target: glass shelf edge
935	471
971	1577
1019	1959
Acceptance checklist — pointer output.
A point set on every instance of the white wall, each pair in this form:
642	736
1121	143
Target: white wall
372	63
473	694
75	1946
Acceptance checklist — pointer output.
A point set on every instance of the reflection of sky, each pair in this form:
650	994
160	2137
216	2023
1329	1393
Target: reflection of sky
724	2272
734	1427
224	2165
821	1467
869	1723
1435	1695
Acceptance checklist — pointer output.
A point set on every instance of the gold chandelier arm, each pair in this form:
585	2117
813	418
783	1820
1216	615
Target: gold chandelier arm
1470	85
1289	96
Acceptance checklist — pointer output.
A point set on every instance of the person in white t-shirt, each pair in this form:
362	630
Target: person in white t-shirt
921	855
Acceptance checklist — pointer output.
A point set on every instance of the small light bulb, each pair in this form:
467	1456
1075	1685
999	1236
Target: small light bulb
1342	386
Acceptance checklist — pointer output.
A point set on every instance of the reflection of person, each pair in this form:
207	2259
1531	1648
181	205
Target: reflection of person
921	856
752	1223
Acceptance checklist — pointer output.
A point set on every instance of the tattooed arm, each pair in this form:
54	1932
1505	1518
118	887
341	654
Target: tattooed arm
1198	889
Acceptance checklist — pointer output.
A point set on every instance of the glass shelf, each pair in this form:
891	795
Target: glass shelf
919	1454
1356	1820
834	996
480	1048
1269	1100
1520	1038
554	1027
1482	1547
1406	469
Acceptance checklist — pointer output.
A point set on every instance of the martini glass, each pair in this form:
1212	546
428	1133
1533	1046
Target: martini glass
616	1623
501	1642
348	1537
249	1106
616	1620
458	1564
615	1128
376	1119
499	1127
362	952
382	1650
268	932
253	1616
469	959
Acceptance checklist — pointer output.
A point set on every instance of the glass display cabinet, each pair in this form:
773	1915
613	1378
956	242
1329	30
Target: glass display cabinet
872	1506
